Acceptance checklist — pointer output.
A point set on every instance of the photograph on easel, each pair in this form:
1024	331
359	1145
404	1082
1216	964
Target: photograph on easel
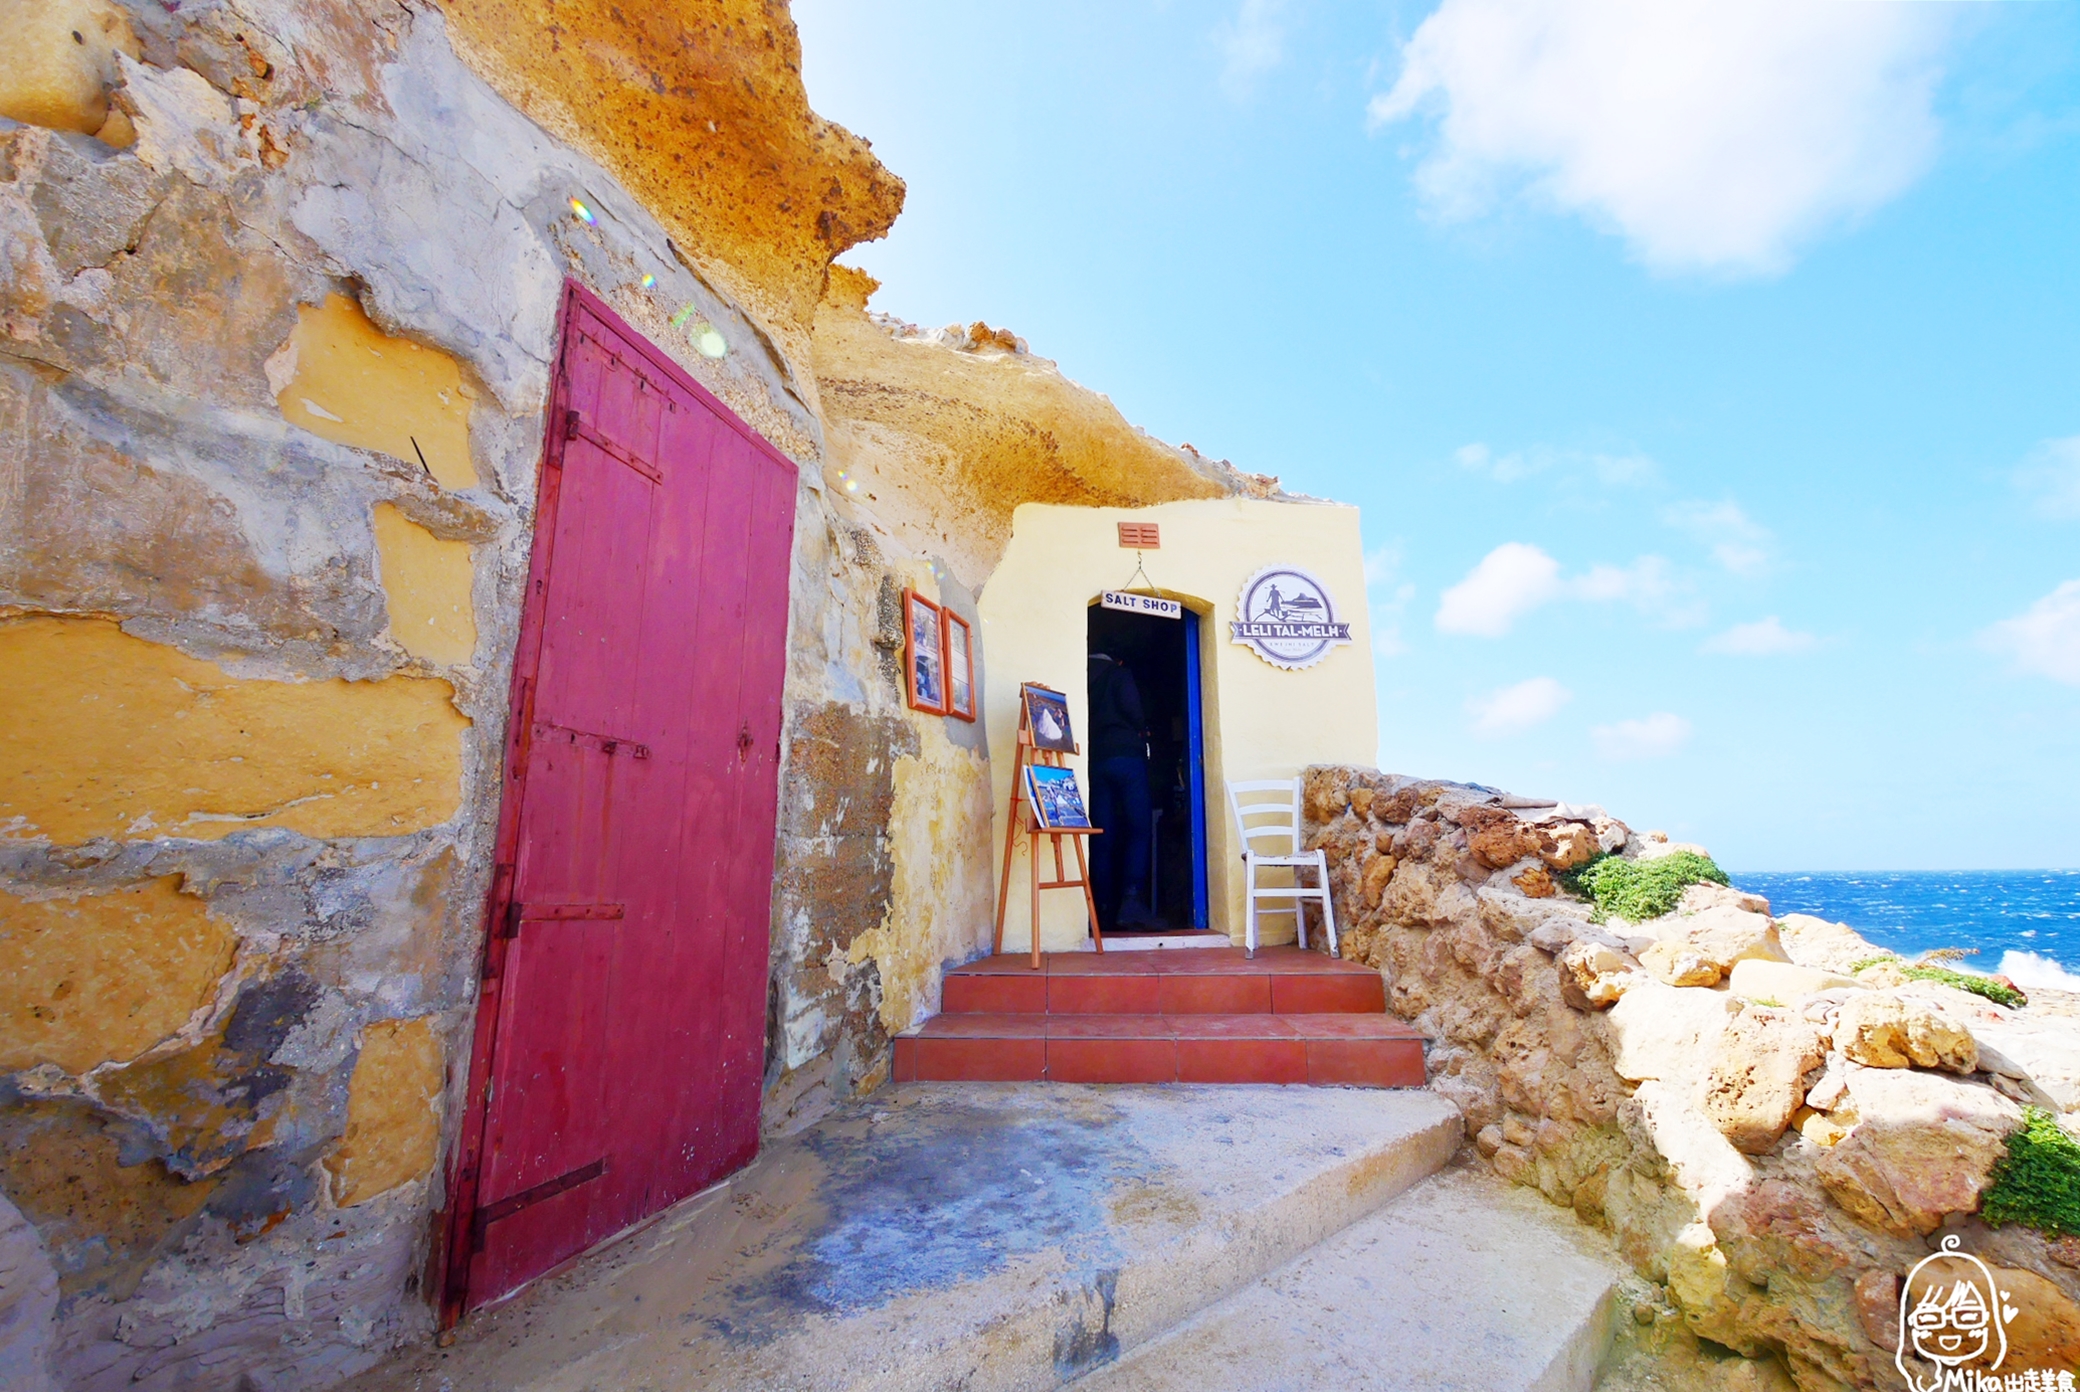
1047	716
1057	801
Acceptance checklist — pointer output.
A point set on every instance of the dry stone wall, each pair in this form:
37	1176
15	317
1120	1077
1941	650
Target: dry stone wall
1771	1140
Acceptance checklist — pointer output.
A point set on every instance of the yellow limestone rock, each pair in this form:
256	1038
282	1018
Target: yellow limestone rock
1924	1146
61	64
104	976
428	584
698	108
341	377
1759	979
1891	1029
393	1112
1756	1082
107	735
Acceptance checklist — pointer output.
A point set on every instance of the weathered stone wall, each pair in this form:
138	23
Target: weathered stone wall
275	351
1772	1142
278	294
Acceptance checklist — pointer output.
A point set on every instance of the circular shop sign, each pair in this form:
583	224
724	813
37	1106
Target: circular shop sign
1285	614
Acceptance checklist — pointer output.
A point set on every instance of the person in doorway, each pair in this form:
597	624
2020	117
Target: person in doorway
1119	796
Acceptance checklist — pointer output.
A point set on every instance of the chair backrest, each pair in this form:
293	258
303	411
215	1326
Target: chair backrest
1267	808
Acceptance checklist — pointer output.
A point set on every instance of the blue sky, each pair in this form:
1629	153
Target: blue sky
1708	375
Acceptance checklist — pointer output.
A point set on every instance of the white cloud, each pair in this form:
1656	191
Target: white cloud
1251	44
2052	473
1503	468
1739	544
1763	638
1515	709
2046	638
1517	578
1712	135
1385	600
1657	736
1522	464
1382	564
1510	581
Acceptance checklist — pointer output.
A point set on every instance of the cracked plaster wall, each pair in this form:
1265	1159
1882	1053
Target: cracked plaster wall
278	291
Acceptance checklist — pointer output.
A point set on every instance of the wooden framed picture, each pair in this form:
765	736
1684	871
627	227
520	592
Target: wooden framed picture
1057	801
924	654
958	643
1047	716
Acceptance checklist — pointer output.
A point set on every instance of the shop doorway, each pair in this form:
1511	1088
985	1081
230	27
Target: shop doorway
1166	877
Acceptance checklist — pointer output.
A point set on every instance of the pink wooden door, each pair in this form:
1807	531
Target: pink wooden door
621	1028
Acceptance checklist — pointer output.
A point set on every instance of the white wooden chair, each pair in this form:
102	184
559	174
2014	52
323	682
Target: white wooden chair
1270	809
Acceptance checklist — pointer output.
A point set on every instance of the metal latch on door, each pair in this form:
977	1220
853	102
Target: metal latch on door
517	911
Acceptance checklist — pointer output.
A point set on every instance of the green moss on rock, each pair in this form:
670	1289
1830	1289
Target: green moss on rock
2037	1183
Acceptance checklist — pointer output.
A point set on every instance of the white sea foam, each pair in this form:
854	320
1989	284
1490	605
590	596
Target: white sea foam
2027	969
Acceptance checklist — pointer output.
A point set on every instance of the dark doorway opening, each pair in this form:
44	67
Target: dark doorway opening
1162	656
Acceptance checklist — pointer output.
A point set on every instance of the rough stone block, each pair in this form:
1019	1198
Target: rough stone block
101	977
393	1112
1757	1082
103	734
1891	1029
1924	1146
1783	982
429	583
341	377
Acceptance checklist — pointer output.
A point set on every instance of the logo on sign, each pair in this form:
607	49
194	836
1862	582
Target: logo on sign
1285	614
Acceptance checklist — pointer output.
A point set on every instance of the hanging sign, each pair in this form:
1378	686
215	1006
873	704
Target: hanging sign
1141	604
1286	616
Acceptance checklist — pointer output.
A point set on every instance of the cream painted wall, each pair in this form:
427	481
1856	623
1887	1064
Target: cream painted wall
1260	721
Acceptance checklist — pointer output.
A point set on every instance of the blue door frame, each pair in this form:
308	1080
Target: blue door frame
1195	735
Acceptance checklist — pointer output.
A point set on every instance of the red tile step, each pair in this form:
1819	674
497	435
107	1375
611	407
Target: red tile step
1182	981
1346	1049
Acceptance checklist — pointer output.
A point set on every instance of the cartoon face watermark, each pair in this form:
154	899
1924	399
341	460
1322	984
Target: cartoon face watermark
1953	1330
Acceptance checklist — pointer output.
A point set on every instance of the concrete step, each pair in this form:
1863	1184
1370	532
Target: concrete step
1340	1050
988	1237
1184	981
1463	1284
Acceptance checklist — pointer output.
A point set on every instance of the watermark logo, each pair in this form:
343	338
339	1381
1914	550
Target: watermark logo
1953	1329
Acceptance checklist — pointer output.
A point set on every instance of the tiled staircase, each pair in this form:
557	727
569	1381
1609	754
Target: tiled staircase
1191	1015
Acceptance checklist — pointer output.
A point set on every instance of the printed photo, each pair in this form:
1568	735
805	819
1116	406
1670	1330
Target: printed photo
1047	715
924	658
1057	801
960	667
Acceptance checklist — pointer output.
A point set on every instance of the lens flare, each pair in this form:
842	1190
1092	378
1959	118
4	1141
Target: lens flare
584	213
648	281
708	340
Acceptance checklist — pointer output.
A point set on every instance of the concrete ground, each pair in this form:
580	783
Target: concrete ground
975	1236
1463	1284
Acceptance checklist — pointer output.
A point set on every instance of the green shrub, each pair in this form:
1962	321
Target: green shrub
1999	992
2037	1183
1640	889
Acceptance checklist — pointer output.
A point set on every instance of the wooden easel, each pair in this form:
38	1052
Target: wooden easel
1030	753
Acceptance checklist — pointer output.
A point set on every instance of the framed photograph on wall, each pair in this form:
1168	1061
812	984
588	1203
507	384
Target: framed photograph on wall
960	665
1057	801
1047	716
924	654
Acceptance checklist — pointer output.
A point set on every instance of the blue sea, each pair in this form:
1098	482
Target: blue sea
2023	923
